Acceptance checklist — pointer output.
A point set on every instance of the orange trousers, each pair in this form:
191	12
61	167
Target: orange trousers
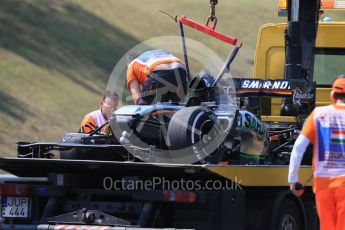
330	204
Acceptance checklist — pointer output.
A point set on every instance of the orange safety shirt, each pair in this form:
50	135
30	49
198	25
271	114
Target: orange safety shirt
325	128
141	67
92	121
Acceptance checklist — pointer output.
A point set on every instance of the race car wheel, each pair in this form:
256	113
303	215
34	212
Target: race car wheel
196	131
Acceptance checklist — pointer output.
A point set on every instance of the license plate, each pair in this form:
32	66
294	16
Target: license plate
15	207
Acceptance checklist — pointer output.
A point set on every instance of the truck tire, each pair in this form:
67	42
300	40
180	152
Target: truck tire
196	130
288	217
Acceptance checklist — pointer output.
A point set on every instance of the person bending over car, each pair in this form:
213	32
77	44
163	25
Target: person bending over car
156	76
99	117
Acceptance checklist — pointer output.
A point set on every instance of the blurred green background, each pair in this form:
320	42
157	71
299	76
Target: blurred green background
56	55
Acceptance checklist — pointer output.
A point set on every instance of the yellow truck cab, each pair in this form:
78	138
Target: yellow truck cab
329	56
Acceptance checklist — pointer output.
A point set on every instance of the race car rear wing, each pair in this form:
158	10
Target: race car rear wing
301	91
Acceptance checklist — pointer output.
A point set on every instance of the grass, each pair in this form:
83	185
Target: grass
56	56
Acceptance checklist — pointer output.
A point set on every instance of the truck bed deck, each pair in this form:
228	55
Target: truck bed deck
267	175
27	167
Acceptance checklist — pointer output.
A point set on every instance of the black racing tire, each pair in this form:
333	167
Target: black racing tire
289	217
197	133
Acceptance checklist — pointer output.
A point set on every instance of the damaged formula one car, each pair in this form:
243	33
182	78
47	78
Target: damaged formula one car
218	123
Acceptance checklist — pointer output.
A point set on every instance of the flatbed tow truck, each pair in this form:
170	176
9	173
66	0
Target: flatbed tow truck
96	194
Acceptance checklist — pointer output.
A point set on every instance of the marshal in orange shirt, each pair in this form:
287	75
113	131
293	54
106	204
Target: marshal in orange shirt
141	67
